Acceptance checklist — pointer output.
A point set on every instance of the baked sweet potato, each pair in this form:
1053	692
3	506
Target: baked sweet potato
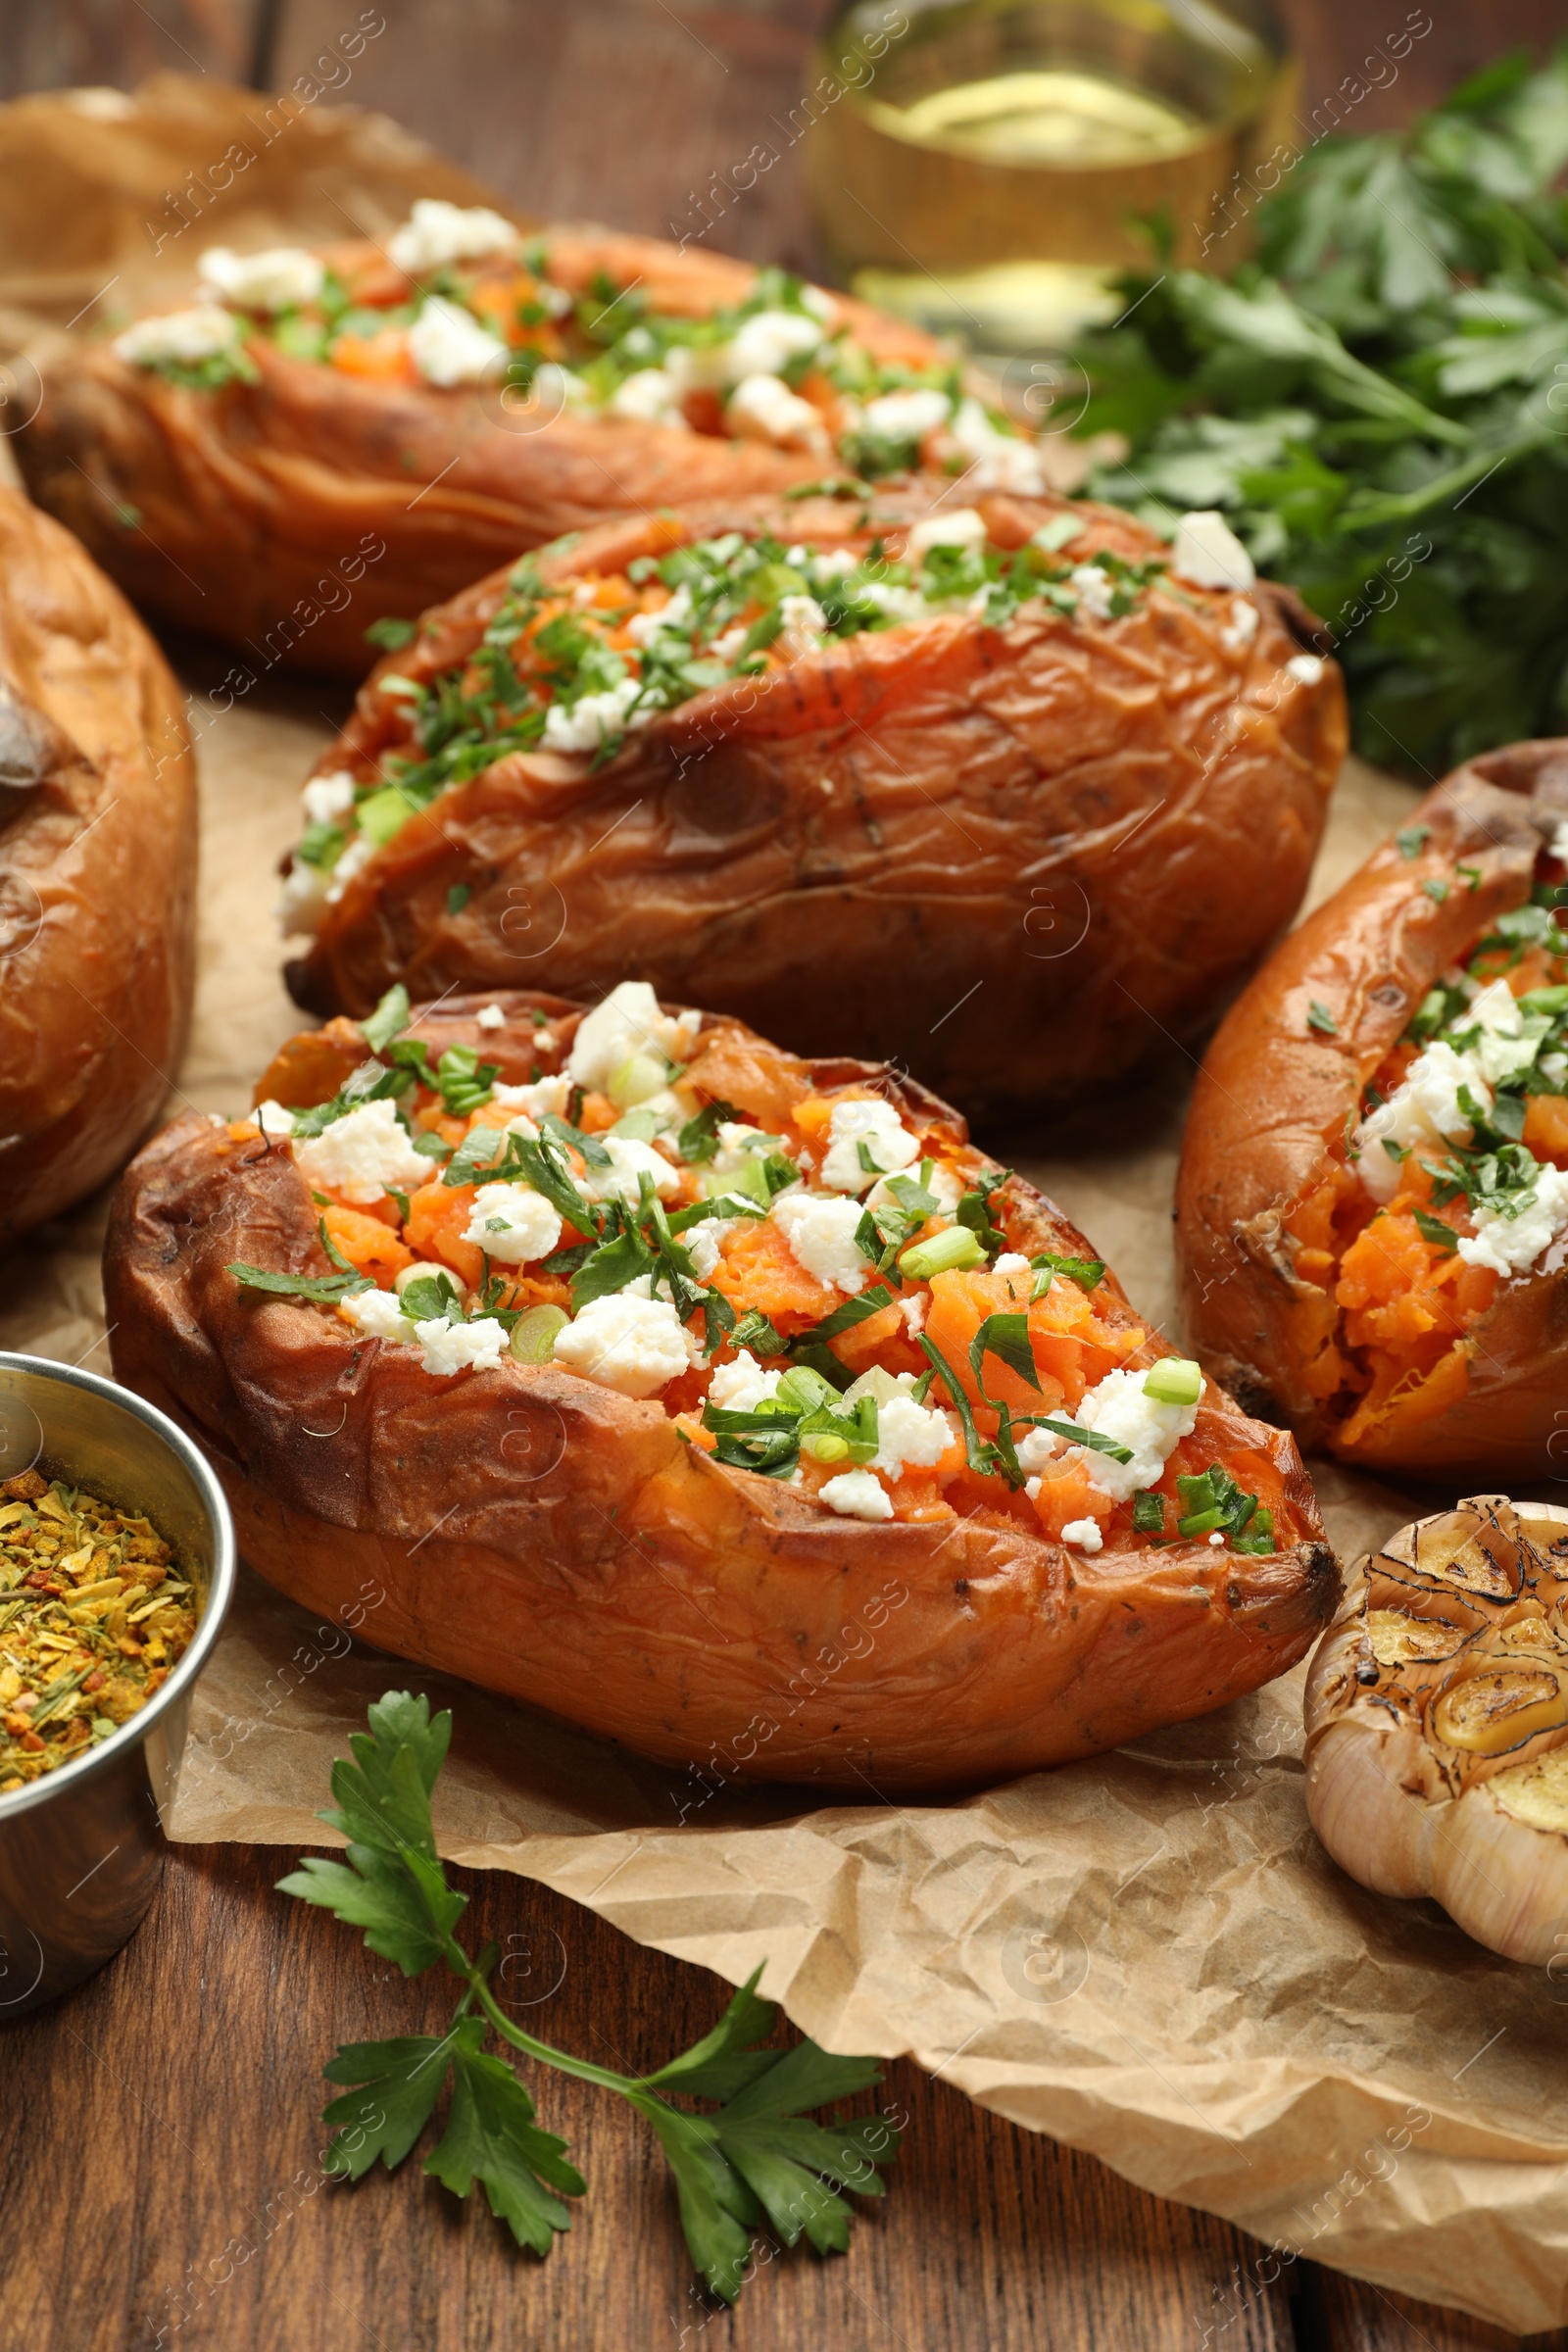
325	439
732	1406
993	792
97	874
1372	1209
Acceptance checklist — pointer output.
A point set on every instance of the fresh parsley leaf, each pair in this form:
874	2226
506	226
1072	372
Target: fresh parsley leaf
756	1331
1412	839
1148	1513
1005	1337
400	2082
491	2138
1087	1272
1319	1017
323	1287
758	2153
1432	1229
389	1019
698	1141
391	634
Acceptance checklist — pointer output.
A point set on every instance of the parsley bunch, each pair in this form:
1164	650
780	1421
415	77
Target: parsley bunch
751	2156
1379	402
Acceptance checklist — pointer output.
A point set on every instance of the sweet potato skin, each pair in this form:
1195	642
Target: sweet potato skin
560	1543
97	874
1015	861
1272	1091
284	516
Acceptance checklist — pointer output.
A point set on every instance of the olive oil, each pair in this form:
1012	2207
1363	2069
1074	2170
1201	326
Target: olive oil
983	168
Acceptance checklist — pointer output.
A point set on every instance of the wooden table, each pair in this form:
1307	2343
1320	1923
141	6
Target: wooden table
159	2129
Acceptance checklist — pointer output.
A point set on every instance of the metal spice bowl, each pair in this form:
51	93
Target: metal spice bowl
81	1849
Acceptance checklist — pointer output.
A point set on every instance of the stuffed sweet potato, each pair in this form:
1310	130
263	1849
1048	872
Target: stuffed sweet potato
1001	793
1373	1201
97	874
320	440
730	1405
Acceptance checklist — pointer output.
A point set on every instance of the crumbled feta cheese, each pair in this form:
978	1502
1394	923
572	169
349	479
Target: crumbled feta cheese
644	627
448	345
363	1154
272	1119
1120	1408
1012	1261
357	855
557	388
628	1022
907	416
1423	1111
941	1184
512	1225
490	1017
910	1435
1304	669
820	303
889	1145
303	899
1092	588
651	396
821	1237
1242	628
804	626
182	337
327	797
702	1243
538	1100
1512	1245
629	1160
634	1346
279	279
451	1348
1084	1533
378	1314
1559	841
913	1309
741	1387
957	526
1502	1050
763	407
1216	1539
436	232
1209	554
998	461
766	343
857	1494
594	719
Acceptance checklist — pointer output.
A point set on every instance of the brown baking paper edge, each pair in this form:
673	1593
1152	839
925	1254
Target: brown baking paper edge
1148	1955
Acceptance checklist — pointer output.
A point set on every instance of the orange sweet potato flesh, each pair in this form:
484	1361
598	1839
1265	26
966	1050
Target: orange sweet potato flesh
1273	1091
97	872
1012	860
554	1540
284	516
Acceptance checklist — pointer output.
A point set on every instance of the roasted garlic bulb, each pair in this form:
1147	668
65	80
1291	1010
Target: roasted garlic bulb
1437	1722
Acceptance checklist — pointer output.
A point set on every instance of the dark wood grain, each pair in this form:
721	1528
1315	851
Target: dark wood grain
44	46
170	2107
157	2130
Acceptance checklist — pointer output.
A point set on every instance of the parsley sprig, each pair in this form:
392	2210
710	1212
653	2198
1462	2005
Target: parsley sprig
753	2156
1374	400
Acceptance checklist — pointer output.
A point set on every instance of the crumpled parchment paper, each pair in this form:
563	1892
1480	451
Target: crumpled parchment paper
1145	1955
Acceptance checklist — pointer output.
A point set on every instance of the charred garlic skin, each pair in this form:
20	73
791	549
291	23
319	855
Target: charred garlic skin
1436	1721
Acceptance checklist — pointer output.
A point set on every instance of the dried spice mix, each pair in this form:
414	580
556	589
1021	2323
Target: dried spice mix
91	1622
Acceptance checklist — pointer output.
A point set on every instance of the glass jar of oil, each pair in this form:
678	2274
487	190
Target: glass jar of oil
983	166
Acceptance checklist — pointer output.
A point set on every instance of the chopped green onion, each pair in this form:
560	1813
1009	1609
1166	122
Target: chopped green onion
1175	1380
533	1334
957	1246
